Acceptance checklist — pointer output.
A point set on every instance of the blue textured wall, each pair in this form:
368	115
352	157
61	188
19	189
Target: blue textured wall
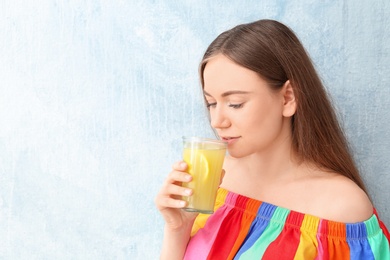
95	96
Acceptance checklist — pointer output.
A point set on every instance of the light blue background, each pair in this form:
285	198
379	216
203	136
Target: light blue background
95	96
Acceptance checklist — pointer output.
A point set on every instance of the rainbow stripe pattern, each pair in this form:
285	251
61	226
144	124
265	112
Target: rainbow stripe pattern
244	228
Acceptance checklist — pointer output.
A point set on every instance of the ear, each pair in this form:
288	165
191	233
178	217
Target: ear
289	101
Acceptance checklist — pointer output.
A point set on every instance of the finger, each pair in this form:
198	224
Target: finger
173	189
222	175
179	166
179	176
169	202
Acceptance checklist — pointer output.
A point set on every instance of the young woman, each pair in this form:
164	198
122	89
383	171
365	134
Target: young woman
291	189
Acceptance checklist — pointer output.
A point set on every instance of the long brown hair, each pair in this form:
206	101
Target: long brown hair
273	51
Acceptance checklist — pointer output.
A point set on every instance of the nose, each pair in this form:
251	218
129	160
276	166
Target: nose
219	119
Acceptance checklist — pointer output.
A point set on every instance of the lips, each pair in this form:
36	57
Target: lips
230	139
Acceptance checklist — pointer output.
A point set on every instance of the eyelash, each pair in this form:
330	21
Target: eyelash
208	105
235	106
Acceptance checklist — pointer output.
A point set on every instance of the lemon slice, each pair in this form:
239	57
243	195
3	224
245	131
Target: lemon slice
204	166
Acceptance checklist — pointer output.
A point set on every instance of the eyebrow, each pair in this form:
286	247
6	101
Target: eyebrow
228	93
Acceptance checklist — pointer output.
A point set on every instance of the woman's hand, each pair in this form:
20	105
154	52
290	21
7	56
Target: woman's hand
168	201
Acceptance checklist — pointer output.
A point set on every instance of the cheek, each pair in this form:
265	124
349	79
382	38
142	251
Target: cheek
261	119
266	125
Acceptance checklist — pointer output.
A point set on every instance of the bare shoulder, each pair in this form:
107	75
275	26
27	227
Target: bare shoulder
344	200
319	193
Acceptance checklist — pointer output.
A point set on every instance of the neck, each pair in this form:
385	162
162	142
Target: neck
274	163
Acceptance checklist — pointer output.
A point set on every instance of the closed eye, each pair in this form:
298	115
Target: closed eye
208	105
236	106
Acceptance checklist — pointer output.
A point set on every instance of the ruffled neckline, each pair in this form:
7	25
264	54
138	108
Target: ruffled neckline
305	222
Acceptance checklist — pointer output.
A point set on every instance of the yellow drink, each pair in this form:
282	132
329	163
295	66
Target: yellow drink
205	160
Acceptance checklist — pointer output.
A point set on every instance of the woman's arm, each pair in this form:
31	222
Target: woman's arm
178	223
175	242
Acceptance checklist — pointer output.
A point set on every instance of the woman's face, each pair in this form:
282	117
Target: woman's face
243	109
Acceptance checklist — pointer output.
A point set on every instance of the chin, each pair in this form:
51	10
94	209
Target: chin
236	154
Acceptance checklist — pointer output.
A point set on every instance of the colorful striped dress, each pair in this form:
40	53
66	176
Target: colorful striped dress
244	228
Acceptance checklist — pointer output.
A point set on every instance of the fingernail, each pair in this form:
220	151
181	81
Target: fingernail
182	165
187	192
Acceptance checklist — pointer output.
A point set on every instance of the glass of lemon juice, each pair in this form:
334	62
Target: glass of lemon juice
204	158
